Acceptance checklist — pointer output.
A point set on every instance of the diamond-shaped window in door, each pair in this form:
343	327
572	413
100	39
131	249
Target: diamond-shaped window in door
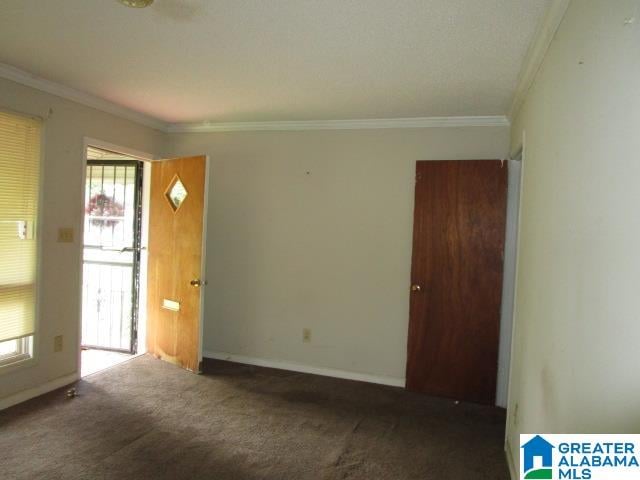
176	193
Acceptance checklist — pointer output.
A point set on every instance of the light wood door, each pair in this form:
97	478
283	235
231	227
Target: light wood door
176	254
456	275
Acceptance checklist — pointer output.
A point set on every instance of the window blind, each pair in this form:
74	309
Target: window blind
19	180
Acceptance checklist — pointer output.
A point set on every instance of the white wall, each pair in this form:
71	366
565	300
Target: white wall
313	229
64	128
575	365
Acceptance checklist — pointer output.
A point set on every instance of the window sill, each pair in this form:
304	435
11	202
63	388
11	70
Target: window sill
17	362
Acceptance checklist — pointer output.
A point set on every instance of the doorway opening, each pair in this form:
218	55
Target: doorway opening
112	246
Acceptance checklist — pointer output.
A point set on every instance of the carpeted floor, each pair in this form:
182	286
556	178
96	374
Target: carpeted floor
145	419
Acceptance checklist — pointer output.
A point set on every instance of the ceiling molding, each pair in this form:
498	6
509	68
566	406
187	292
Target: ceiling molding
20	76
536	53
418	122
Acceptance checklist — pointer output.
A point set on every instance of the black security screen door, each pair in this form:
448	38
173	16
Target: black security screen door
111	255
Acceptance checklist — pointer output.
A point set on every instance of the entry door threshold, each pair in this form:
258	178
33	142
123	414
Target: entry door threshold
98	361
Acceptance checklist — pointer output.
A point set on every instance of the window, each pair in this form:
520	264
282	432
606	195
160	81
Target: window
16	351
19	181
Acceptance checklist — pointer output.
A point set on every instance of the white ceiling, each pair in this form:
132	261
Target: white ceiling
269	60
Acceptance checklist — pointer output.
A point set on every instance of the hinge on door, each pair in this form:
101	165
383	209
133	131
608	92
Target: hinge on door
418	177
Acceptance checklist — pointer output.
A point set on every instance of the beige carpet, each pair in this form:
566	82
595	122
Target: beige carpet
145	419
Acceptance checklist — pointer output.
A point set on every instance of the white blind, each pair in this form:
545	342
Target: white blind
19	176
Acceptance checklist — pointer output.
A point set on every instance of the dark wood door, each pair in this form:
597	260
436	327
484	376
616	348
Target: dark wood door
456	278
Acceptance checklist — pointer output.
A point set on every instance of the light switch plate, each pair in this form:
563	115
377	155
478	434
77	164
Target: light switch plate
65	235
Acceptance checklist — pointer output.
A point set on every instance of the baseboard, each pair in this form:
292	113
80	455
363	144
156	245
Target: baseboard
509	454
30	393
298	367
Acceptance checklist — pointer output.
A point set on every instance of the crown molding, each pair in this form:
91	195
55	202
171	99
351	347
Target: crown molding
20	76
537	52
418	122
25	78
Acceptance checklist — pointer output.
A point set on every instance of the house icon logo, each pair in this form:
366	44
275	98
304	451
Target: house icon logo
539	448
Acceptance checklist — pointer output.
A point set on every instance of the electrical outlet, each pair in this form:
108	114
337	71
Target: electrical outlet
306	335
57	343
65	235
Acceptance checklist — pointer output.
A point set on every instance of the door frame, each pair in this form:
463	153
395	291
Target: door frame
146	158
510	272
519	155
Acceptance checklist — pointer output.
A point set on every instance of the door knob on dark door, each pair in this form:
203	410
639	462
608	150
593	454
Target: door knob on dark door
416	288
197	283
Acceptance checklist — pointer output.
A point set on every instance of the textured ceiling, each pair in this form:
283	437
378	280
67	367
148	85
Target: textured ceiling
260	60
